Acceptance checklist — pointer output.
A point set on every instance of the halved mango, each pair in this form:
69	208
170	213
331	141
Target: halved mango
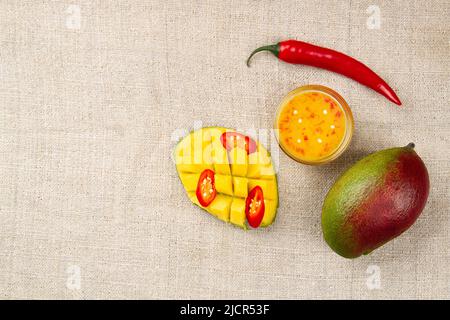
203	149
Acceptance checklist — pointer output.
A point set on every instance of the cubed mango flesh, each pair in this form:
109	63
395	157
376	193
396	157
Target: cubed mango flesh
223	184
270	211
190	181
237	213
220	158
220	207
238	161
269	187
240	187
236	173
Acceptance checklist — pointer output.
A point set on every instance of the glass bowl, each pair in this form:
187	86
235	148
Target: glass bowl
341	103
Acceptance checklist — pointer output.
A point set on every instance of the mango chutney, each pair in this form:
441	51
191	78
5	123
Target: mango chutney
314	124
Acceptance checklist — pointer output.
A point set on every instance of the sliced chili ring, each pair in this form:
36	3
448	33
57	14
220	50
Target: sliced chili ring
254	207
231	140
206	189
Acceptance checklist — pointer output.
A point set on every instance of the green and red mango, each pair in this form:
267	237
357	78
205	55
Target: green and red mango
375	201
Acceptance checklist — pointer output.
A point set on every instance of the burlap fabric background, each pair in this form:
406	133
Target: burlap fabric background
93	92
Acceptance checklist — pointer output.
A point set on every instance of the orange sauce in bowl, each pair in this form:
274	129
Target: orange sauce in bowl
314	124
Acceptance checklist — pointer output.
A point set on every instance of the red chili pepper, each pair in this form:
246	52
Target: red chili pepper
206	189
234	139
254	207
299	52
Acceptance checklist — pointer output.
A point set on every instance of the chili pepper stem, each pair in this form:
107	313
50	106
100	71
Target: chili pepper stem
272	48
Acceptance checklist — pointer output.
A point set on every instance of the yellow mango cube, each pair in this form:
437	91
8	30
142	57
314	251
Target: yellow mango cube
239	162
193	197
220	207
237	213
220	158
261	157
240	187
260	171
260	164
190	181
270	210
269	187
223	184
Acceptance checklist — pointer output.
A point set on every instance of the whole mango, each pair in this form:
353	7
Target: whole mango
374	201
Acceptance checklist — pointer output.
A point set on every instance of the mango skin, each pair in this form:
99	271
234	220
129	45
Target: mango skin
374	201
